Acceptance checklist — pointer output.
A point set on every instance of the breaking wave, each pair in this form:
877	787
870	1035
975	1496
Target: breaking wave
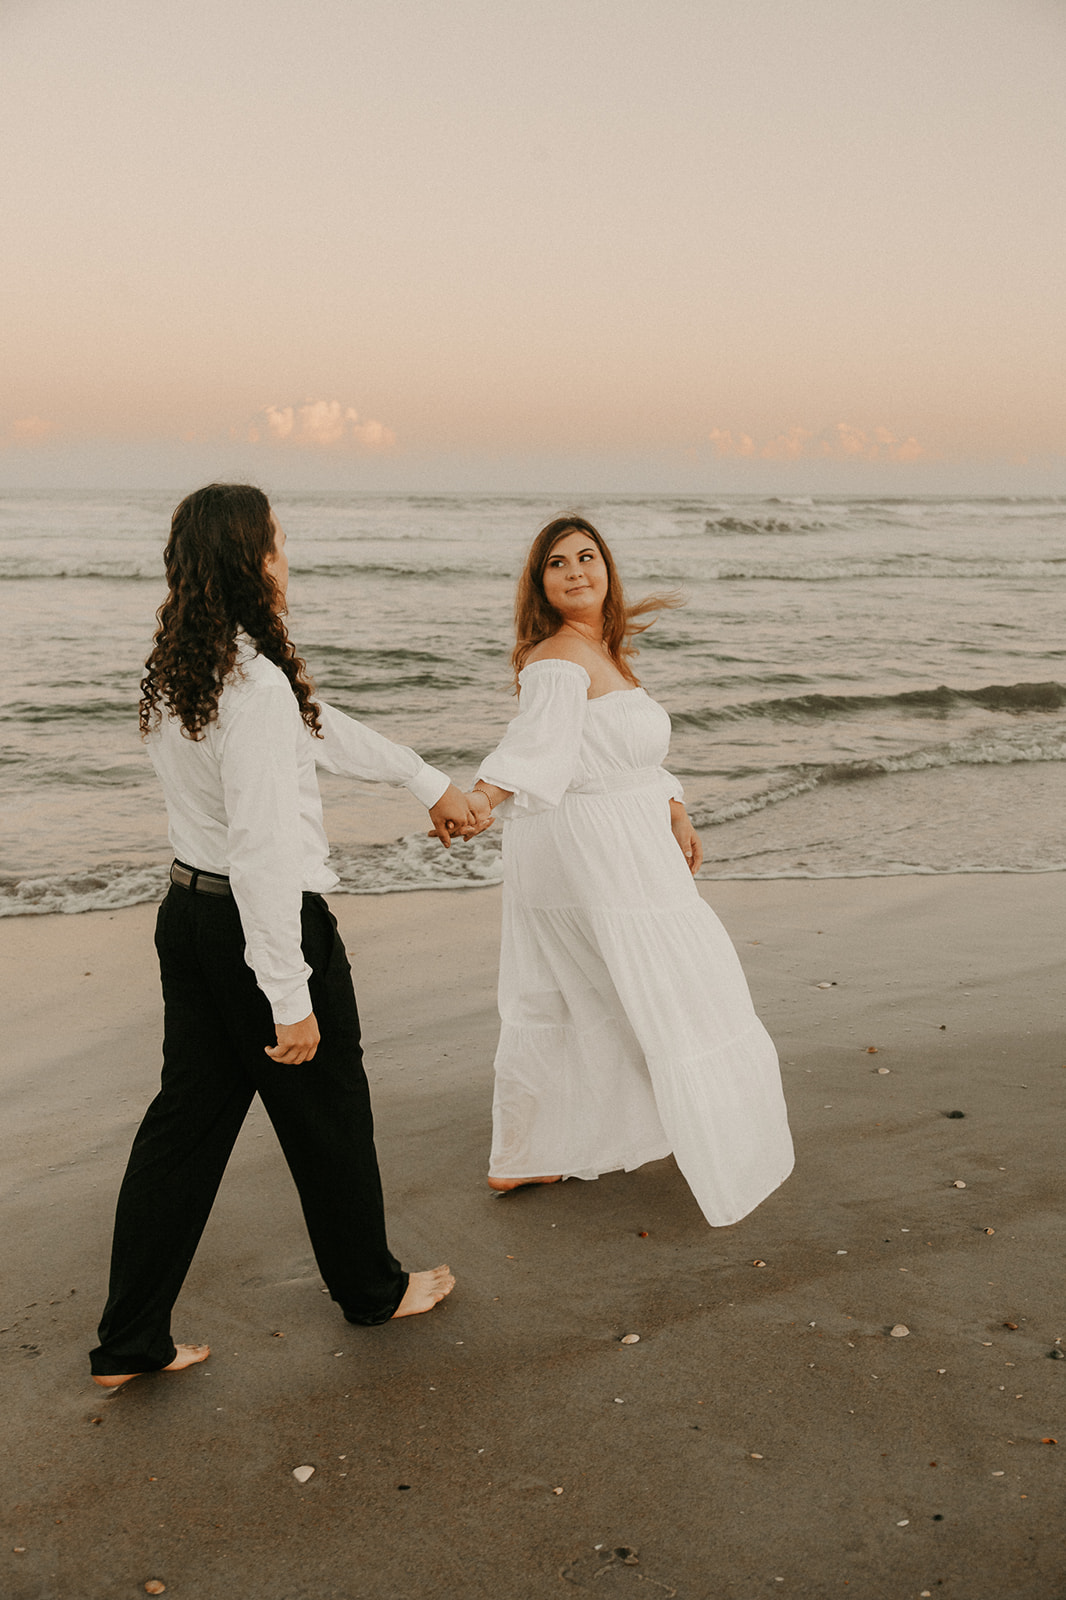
1016	698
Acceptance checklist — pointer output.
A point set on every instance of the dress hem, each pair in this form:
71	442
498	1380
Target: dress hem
628	1163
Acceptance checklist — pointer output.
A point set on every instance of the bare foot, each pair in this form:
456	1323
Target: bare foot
423	1291
505	1185
187	1356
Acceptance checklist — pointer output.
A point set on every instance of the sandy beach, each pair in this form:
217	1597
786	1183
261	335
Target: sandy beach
766	1435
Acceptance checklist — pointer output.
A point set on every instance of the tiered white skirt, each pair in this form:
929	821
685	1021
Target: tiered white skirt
628	1030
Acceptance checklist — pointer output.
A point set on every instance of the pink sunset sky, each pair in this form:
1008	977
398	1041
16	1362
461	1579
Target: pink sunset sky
535	244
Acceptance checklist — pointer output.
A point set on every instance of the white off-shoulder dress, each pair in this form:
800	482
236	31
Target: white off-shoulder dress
627	1029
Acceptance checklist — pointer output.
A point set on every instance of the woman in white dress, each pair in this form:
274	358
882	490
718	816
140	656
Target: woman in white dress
627	1028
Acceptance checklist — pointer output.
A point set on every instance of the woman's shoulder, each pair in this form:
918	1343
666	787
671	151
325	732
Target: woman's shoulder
568	652
559	647
556	656
563	648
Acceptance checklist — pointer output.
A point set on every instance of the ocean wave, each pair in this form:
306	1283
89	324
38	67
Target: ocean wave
33	773
949	505
759	525
1015	698
362	688
416	862
104	888
849	568
86	711
978	750
358	655
400	867
140	570
397	569
16	569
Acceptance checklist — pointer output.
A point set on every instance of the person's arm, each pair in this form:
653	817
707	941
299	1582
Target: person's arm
258	730
686	836
535	761
350	748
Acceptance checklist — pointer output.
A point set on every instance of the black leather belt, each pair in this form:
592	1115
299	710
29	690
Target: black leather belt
199	882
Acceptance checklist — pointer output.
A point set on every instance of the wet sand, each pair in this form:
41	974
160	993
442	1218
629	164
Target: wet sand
767	1435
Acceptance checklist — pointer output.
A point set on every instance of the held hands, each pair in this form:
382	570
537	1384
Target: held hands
297	1042
686	836
452	815
455	813
481	806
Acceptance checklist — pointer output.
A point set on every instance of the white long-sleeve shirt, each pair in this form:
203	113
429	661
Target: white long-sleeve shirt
244	801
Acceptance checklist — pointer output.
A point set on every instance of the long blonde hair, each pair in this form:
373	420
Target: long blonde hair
536	620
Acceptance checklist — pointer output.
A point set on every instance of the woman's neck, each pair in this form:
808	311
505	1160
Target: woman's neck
592	632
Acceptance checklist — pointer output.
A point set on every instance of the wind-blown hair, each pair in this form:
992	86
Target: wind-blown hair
220	539
536	620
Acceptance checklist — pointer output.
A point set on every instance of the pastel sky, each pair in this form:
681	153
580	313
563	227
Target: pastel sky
534	244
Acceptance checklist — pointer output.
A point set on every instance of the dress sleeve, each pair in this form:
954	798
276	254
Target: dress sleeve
538	755
352	749
677	790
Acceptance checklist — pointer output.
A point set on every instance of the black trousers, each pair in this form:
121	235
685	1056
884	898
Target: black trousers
216	1023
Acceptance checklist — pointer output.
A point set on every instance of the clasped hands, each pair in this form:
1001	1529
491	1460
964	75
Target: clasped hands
464	816
459	815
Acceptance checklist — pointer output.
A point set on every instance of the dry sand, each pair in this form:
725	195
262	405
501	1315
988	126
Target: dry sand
766	1436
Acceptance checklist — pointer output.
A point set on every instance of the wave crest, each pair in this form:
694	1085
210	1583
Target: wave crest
1015	698
1002	749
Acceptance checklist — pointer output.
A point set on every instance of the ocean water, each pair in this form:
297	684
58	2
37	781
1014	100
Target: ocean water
858	687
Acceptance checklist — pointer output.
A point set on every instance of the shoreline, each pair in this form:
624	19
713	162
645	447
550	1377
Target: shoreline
341	891
766	1425
985	818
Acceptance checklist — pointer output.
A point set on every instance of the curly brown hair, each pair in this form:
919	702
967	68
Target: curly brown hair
215	559
536	620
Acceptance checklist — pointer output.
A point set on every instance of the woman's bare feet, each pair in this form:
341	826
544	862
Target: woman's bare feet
505	1185
423	1291
187	1356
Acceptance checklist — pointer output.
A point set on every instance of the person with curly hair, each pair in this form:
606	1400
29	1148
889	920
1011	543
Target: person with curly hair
257	989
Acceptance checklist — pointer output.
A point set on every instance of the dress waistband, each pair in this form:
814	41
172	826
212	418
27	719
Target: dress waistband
619	782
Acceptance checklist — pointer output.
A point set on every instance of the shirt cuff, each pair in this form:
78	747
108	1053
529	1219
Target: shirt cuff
292	1007
428	784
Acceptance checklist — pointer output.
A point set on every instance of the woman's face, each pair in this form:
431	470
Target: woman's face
575	578
277	562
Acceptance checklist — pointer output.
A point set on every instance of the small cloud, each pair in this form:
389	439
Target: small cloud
726	445
880	444
844	442
788	446
31	430
848	441
317	425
